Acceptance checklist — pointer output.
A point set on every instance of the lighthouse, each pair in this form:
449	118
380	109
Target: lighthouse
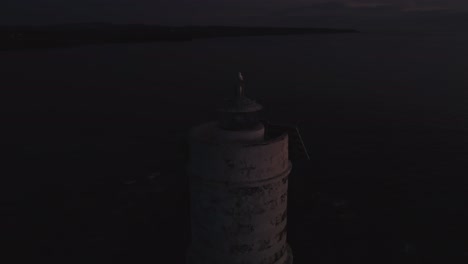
238	172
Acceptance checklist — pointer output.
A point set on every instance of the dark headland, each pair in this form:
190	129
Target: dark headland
52	36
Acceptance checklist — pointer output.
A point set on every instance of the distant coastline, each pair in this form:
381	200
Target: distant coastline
55	36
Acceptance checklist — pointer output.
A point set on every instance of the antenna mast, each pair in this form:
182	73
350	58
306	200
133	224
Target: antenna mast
241	85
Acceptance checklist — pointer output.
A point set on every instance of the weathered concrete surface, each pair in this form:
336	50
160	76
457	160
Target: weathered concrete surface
238	199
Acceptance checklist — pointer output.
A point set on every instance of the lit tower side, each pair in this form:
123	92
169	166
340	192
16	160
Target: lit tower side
239	185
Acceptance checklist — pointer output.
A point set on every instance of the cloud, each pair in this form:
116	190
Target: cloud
233	12
412	5
374	14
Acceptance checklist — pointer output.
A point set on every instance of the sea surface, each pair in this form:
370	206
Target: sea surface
384	116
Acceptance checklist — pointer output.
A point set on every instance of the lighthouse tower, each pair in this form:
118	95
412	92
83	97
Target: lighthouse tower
239	185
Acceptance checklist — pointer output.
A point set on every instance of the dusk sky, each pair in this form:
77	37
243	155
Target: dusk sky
236	12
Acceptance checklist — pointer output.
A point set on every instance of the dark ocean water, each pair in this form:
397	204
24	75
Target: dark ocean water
384	117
